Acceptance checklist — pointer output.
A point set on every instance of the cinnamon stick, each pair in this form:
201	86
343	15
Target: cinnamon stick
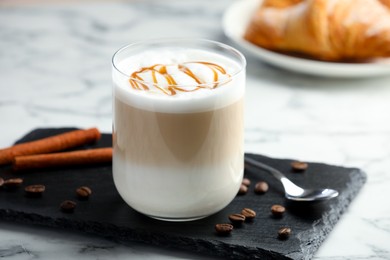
82	157
50	144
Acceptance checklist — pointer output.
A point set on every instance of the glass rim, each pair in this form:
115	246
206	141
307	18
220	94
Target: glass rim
224	46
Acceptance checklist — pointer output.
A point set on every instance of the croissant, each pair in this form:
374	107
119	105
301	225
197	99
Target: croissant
330	30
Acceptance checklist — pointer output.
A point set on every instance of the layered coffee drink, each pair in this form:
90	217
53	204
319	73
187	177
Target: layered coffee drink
178	127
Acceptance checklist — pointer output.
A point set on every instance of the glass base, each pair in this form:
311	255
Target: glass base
177	219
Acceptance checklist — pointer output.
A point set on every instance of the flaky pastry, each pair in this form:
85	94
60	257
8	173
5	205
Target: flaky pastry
331	30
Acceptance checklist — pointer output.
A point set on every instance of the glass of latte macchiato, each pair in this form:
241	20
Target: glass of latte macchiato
178	127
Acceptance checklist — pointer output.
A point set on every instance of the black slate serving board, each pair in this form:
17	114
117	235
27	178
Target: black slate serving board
106	214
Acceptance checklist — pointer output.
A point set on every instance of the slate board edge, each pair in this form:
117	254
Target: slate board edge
123	236
359	177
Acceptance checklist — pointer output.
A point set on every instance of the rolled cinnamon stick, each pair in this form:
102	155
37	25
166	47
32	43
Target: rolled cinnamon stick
50	144
82	157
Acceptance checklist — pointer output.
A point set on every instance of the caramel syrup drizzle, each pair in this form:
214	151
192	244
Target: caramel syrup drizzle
173	87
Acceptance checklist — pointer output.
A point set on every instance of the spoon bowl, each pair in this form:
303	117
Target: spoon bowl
293	191
314	195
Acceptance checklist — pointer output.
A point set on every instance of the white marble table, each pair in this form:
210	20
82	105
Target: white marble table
55	71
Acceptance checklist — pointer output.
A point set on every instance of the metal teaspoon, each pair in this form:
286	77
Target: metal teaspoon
292	191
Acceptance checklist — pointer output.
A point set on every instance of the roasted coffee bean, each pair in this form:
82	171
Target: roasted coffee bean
237	219
13	183
246	182
248	213
1	181
223	229
34	190
277	210
68	206
83	192
243	190
284	233
261	187
299	166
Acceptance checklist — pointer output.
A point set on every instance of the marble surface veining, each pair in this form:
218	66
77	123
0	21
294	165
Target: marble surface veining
55	71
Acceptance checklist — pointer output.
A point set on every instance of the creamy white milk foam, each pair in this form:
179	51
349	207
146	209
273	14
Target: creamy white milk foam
178	153
201	100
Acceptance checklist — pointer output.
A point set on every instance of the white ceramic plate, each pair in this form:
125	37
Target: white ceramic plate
235	21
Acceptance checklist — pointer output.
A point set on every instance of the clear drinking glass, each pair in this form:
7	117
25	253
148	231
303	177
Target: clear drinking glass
178	157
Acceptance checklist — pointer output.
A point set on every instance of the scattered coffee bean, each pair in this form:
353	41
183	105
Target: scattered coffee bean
277	210
249	214
68	206
223	229
246	182
284	233
83	192
299	166
1	181
13	183
237	219
261	187
243	190
34	190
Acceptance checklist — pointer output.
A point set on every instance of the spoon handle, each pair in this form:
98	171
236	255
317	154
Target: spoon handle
288	185
277	174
